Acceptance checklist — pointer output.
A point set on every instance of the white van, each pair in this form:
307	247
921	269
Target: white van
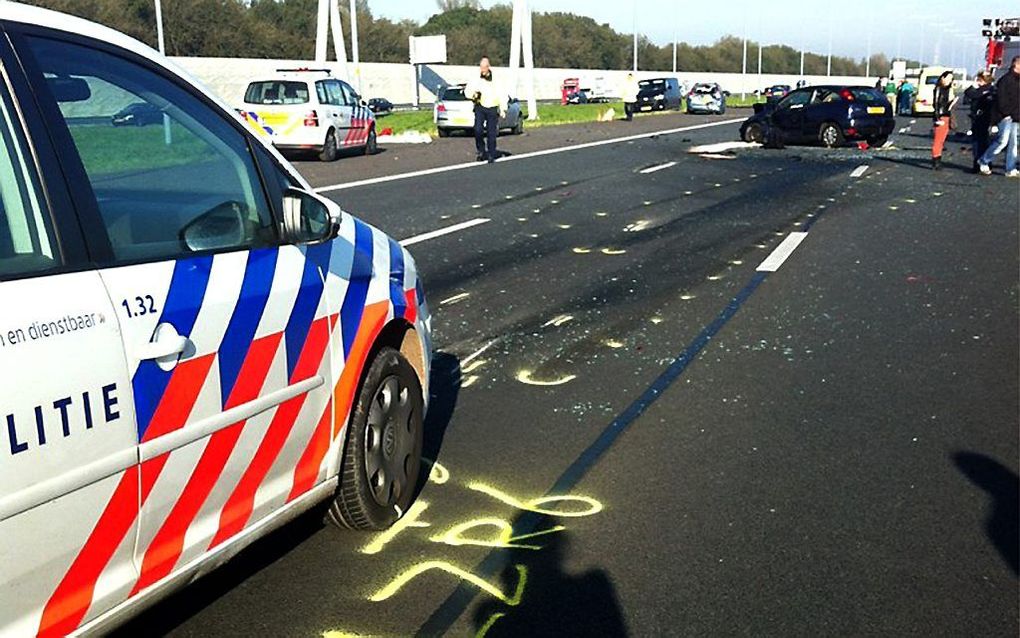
308	109
924	103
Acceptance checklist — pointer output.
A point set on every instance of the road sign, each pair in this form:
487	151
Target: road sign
430	49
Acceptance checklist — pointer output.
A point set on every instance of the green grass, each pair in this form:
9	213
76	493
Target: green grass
107	149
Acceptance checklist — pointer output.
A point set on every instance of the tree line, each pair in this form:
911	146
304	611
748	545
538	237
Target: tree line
286	29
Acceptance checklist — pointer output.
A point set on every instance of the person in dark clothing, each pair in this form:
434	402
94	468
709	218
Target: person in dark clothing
490	106
982	105
1007	105
942	117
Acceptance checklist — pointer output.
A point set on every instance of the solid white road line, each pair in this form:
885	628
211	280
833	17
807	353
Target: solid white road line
417	239
782	252
655	169
523	156
859	171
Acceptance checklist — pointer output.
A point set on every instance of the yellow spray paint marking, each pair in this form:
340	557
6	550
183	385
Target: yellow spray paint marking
894	208
637	226
536	210
457	535
474	365
613	251
344	634
582	251
937	194
563	226
524	376
737	262
488	624
564	183
454	299
539	189
718	185
554	201
613	343
657	320
601	214
686	297
509	196
513	600
522	219
753	175
688	192
910	201
648	203
714	277
438	474
476	205
533	235
408	521
558	321
536	504
761	245
470	381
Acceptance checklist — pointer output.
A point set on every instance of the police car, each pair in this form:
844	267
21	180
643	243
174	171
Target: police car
308	109
194	347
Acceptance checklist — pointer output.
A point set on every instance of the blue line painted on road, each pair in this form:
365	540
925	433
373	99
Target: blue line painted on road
453	607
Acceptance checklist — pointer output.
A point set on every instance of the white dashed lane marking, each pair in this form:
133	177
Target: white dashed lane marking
782	252
655	169
417	239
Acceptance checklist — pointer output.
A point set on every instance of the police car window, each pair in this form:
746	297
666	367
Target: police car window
26	244
351	96
277	93
336	94
171	176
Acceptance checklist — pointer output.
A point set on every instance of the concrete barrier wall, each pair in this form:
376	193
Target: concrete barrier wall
396	82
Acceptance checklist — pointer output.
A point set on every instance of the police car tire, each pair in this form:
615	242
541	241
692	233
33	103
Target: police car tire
444	132
354	506
371	144
329	148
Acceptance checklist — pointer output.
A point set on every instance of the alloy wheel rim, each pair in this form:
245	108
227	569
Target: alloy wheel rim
389	442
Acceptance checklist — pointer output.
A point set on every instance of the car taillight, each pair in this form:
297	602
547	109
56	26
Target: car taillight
846	95
311	118
441	108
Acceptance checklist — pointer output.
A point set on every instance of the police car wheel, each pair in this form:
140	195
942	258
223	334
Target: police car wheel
382	455
371	144
444	132
329	148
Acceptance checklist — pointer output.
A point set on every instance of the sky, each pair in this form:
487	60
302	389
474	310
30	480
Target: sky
904	27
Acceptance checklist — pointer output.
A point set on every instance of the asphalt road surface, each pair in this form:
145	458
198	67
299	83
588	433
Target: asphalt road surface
642	429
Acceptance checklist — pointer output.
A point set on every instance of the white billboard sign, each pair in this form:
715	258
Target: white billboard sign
429	49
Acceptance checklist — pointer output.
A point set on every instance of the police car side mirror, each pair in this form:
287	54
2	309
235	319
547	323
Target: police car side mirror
309	218
223	226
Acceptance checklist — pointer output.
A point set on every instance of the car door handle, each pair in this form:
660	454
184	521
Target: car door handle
165	347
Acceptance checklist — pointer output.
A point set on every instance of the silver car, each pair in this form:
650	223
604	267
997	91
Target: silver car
706	98
455	112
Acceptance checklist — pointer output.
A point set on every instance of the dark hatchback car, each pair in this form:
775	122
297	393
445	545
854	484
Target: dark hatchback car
659	94
137	114
830	115
380	106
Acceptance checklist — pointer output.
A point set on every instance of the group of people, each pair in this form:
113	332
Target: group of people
901	95
991	104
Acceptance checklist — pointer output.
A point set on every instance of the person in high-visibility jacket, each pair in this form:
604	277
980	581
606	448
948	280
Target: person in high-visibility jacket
490	105
631	88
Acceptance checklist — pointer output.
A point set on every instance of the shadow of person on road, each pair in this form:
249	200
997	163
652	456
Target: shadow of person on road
554	602
1001	484
444	388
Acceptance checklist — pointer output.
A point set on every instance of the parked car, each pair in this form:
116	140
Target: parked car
776	92
659	94
137	114
454	111
206	348
706	98
309	110
924	101
830	115
380	106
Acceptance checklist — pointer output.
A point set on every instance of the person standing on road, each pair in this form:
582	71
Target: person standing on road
982	104
905	98
942	117
890	93
630	95
490	105
1007	105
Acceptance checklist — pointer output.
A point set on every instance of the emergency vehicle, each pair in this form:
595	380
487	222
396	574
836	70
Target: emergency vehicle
194	347
309	110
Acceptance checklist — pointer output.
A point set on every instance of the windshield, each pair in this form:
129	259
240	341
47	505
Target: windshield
453	94
652	84
277	92
704	88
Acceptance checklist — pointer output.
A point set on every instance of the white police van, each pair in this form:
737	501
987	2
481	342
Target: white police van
194	347
308	109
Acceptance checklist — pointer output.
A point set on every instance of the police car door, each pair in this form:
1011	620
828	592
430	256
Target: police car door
358	117
67	441
225	330
339	113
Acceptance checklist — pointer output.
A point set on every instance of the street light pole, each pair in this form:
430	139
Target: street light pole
635	37
828	64
355	54
743	68
867	63
167	135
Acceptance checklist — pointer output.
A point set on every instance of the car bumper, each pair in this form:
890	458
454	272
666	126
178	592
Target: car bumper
870	129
